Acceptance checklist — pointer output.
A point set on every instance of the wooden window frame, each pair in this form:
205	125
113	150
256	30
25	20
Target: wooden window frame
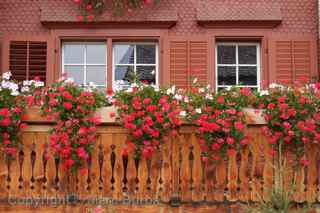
237	65
135	58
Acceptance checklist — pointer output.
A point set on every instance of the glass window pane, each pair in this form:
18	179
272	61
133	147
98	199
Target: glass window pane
248	75
247	54
96	74
96	54
124	54
147	74
76	73
125	73
74	53
227	75
226	54
146	54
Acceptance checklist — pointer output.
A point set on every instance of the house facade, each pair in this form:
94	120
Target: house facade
221	42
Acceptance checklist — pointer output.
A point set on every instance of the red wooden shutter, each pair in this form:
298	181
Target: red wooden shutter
28	56
293	60
188	59
301	59
179	63
198	52
28	59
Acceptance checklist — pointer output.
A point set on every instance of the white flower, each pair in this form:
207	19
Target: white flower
186	99
264	92
130	89
134	85
171	90
92	85
201	90
6	75
195	80
209	96
26	83
228	88
178	97
14	93
39	84
25	89
274	85
153	72
69	80
156	87
208	87
183	113
198	110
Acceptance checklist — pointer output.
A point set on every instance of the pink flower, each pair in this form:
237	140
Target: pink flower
230	141
147	101
81	152
239	125
67	105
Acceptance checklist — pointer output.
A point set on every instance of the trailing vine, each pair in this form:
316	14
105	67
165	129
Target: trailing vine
90	9
14	98
73	138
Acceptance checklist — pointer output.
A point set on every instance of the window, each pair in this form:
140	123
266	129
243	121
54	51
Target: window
85	62
135	59
237	64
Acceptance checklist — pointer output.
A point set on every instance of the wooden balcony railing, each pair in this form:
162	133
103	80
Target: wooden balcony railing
175	174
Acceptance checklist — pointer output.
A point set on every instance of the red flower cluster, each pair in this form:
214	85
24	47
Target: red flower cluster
90	9
219	119
293	118
149	115
74	136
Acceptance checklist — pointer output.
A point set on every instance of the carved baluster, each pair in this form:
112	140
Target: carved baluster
226	180
249	170
160	164
238	157
125	167
56	180
44	163
33	156
89	164
136	163
101	159
179	170
113	161
8	159
149	174
203	179
191	159
20	160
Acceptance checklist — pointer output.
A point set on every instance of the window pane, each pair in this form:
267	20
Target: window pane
146	54
74	54
96	74
96	54
124	73
75	72
247	54
226	54
227	75
147	74
248	75
124	54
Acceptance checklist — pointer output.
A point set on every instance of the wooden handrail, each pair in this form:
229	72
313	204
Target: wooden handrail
33	115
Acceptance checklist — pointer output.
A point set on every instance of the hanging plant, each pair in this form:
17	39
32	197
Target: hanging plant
293	118
72	106
90	9
14	98
219	119
150	114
